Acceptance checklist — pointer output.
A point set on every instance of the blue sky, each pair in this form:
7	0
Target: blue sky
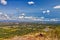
35	8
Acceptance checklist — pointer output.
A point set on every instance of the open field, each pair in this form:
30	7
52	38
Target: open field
30	31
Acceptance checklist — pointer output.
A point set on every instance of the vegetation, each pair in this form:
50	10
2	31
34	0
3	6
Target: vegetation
50	30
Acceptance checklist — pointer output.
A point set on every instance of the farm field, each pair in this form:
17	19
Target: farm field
30	31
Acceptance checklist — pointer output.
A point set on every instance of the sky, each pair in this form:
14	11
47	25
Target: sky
36	8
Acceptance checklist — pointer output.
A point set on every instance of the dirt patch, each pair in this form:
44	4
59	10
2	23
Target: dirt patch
30	37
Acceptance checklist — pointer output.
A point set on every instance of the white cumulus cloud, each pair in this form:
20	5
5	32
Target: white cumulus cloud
31	2
46	11
57	7
4	2
4	16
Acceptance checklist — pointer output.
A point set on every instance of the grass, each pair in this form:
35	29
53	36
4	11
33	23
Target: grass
8	31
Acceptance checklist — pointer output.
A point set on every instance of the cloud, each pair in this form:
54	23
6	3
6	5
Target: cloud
46	11
37	19
0	13
23	14
53	20
42	17
29	17
57	7
4	16
26	17
21	17
31	2
4	2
